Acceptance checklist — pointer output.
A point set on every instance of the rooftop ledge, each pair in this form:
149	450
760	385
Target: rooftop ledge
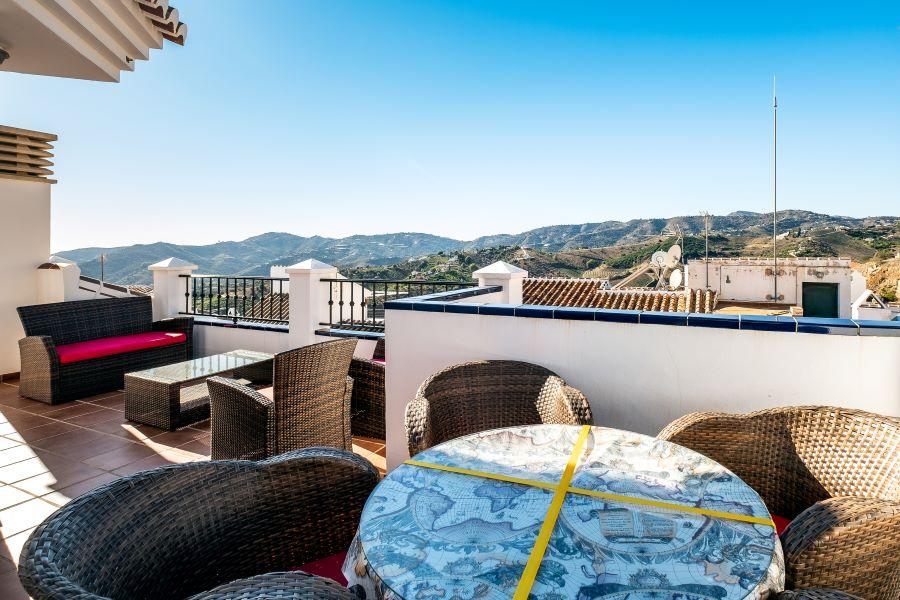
445	302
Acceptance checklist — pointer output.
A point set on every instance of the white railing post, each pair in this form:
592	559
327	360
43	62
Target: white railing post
509	277
308	300
169	287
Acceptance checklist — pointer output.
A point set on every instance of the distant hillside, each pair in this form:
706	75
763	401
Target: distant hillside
616	241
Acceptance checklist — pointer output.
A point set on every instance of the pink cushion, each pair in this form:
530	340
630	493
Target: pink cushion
378	360
329	567
69	353
781	523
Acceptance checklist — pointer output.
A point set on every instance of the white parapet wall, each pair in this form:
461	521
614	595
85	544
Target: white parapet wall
641	376
24	246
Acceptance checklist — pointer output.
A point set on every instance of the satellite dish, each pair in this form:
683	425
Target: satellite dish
675	278
658	259
673	256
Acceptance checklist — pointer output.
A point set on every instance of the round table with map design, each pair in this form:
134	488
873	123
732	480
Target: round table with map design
431	534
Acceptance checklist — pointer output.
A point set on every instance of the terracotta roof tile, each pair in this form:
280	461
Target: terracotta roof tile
588	293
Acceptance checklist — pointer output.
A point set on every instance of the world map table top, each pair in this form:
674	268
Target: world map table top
427	533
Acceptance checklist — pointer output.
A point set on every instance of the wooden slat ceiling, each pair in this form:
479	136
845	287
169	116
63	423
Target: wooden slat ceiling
24	154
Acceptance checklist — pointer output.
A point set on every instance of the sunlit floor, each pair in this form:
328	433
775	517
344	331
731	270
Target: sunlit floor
51	454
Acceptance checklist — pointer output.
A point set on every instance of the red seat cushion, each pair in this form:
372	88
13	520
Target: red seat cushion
781	523
329	567
69	353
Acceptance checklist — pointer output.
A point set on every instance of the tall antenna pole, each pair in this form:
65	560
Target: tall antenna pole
775	186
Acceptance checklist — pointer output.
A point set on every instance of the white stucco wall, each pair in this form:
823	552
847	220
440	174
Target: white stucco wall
641	377
210	340
24	244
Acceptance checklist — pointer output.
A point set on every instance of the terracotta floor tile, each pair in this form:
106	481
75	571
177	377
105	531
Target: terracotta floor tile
198	446
44	431
176	438
202	426
103	396
120	457
72	409
73	491
15	543
25	516
11	588
10	496
95	447
22	470
66	440
116	402
127	430
57	478
100	416
148	463
21	420
14	455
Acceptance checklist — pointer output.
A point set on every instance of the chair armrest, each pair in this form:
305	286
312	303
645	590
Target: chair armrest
367	404
348	399
578	405
39	372
183	325
848	543
419	428
815	594
242	420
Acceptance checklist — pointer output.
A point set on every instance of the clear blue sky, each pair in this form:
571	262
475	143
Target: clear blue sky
467	118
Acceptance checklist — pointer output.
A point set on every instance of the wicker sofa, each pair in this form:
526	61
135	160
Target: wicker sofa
182	530
833	473
81	348
487	394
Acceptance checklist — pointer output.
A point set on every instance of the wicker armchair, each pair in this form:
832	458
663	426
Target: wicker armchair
488	394
834	472
179	530
367	403
49	327
307	405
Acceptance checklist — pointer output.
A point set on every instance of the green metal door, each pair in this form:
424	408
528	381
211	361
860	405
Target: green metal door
820	300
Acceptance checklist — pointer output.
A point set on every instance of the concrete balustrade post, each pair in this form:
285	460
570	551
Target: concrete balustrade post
308	300
507	276
169	287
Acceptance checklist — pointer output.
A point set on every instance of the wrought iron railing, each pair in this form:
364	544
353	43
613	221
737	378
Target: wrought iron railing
261	299
358	304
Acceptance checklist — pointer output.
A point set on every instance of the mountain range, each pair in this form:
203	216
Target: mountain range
254	255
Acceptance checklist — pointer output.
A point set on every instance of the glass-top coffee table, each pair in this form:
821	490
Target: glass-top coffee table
176	395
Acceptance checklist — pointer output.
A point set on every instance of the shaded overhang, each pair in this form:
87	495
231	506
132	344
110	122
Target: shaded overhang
84	39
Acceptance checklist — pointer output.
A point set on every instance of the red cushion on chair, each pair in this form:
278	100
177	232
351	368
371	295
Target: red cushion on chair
781	523
69	353
329	567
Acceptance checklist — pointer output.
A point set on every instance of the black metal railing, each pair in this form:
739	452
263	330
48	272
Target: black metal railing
262	299
358	304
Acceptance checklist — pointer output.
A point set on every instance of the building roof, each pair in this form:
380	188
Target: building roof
589	293
94	40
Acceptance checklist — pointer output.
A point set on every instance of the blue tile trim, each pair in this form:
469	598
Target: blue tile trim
500	310
274	327
663	318
714	321
617	316
429	306
416	302
398	305
768	323
534	312
574	314
465	309
349	333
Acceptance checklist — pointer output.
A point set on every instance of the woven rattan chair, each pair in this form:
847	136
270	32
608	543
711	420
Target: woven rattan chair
367	404
488	394
290	585
307	405
834	472
179	530
815	594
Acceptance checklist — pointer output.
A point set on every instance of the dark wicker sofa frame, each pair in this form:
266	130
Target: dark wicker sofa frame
488	394
46	326
834	471
180	530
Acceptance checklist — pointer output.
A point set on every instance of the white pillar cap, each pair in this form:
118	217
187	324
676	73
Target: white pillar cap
500	270
310	265
173	264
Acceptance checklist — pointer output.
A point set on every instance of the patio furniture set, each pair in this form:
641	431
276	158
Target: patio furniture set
511	492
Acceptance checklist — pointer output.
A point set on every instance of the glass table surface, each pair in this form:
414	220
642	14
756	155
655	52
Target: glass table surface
206	366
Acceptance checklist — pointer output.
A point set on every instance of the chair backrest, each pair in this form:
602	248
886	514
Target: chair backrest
488	394
309	388
82	320
176	531
797	456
